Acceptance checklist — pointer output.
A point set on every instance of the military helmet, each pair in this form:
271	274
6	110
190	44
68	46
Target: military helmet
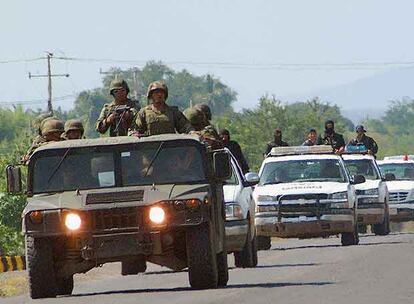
37	123
117	84
155	86
52	125
205	108
196	117
74	124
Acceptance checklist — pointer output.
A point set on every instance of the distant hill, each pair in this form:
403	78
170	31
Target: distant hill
369	97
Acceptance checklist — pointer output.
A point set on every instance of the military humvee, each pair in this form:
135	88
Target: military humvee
93	201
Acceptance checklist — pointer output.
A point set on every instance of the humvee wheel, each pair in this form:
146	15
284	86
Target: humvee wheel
39	255
133	266
264	242
384	227
351	238
64	285
201	257
248	256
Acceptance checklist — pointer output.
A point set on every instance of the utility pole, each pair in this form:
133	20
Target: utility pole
49	78
135	80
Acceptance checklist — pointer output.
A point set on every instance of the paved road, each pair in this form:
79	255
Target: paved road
379	270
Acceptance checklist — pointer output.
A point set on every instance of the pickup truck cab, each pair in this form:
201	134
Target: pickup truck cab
306	192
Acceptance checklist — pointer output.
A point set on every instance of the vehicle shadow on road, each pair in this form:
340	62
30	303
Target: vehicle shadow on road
189	289
287	265
336	245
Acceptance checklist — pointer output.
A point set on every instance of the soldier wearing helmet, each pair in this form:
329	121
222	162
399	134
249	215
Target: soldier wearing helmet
51	130
118	116
73	129
158	117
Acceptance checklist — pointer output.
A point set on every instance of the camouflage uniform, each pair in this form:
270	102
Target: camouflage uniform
117	128
151	121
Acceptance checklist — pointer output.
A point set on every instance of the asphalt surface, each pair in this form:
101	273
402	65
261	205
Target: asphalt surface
379	270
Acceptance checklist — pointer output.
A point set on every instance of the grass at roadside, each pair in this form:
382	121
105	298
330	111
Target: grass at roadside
13	283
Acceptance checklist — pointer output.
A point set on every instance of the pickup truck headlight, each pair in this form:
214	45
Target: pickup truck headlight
266	198
339	196
234	211
373	191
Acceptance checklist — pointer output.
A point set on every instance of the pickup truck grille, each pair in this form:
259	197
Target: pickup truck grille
117	218
398	197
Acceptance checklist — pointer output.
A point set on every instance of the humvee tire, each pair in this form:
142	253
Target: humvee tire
245	258
384	227
351	238
133	266
264	242
39	255
201	257
64	286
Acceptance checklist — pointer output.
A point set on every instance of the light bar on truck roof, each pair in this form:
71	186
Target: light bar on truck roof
300	150
400	157
358	149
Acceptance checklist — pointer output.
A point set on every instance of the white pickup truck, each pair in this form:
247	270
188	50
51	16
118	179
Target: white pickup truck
372	195
401	190
305	192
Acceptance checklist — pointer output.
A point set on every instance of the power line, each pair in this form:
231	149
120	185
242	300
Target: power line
36	101
21	60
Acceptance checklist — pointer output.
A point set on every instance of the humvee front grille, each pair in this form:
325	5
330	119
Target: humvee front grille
114	197
117	218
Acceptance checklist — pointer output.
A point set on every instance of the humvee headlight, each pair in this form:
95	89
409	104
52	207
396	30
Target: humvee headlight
157	215
73	221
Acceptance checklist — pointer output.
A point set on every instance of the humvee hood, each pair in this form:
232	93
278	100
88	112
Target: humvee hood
115	197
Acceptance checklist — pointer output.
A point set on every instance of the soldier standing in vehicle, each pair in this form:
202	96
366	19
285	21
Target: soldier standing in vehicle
158	117
363	139
331	138
312	138
51	130
277	141
119	115
73	129
235	149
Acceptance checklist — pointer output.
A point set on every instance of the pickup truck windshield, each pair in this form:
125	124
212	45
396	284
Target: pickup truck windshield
102	168
315	170
363	167
401	171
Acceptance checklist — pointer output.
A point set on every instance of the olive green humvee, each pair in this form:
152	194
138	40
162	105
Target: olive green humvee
127	199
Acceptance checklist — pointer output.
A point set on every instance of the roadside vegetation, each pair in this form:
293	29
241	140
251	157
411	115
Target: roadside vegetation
252	128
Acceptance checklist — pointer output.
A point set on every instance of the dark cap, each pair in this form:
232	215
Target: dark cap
311	131
359	128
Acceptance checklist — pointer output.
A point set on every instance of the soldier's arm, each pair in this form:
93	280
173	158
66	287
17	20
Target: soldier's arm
341	141
374	146
182	125
101	125
140	124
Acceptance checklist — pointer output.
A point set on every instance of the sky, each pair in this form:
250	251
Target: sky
255	47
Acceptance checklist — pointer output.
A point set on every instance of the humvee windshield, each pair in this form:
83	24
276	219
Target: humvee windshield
363	167
312	170
102	167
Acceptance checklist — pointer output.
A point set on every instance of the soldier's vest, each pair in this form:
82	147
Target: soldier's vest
161	122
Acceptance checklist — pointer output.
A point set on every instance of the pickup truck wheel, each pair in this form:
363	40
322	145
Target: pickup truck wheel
40	265
244	258
264	242
64	286
384	227
201	257
362	228
222	269
133	266
254	250
351	238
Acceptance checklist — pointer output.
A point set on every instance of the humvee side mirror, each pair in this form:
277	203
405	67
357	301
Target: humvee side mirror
358	179
389	177
222	166
14	179
252	178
